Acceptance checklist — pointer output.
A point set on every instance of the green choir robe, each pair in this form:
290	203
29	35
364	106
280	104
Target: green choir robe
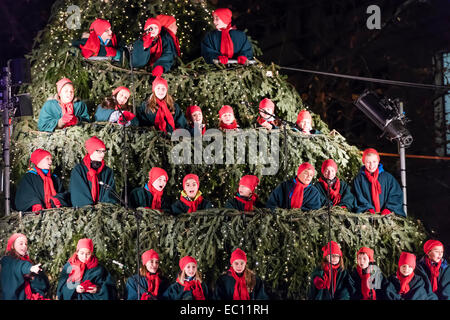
51	112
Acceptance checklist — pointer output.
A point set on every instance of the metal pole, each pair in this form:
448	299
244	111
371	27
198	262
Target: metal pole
6	137
401	151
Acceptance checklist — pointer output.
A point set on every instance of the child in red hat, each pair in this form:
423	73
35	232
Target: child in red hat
64	110
115	107
304	123
239	282
266	109
296	193
189	284
246	198
368	280
227	120
405	284
85	188
195	121
21	279
39	188
339	193
151	196
321	278
375	189
191	198
150	283
83	278
225	42
433	267
154	49
169	25
160	110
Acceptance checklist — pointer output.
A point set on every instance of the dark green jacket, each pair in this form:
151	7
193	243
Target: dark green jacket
51	112
379	282
141	197
210	46
225	288
178	207
176	292
342	291
281	196
419	289
443	281
233	203
103	114
148	118
132	285
347	198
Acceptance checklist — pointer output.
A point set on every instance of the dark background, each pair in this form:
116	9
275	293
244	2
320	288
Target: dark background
332	36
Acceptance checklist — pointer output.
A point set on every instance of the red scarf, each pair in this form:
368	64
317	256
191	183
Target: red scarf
195	286
260	120
78	267
49	189
157	196
367	293
248	203
226	44
68	108
92	176
375	188
404	282
233	125
326	277
192	204
334	190
434	272
240	287
29	295
297	195
156	48
92	46
163	114
175	41
153	282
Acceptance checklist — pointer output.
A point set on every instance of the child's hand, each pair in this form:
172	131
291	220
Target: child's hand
92	289
36	268
80	289
267	125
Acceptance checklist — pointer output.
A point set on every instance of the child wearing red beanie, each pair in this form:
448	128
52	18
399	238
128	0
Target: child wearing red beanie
405	284
246	198
85	188
115	107
266	109
155	49
189	284
40	189
434	268
225	42
151	196
296	193
368	280
160	110
195	121
169	25
150	283
304	123
320	287
339	193
21	279
239	282
64	110
375	189
227	120
83	278
191	198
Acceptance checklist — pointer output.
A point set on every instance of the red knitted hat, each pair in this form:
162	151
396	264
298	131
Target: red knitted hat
430	244
153	21
238	254
165	20
266	103
12	239
335	249
304	166
249	181
224	14
329	163
100	26
370	151
38	155
93	144
118	89
159	80
155	173
85	243
191	176
367	251
148	255
225	109
304	114
185	260
191	109
407	258
61	83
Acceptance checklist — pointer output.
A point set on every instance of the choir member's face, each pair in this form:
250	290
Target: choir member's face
160	91
329	173
160	183
21	246
122	97
173	27
190	269
45	163
245	191
67	93
191	188
265	115
98	155
197	117
153	29
305	125
335	258
218	23
152	265
363	260
107	35
227	118
84	254
406	270
436	254
306	176
371	162
239	265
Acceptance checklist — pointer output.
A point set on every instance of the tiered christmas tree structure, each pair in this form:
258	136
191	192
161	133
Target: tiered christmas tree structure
283	247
